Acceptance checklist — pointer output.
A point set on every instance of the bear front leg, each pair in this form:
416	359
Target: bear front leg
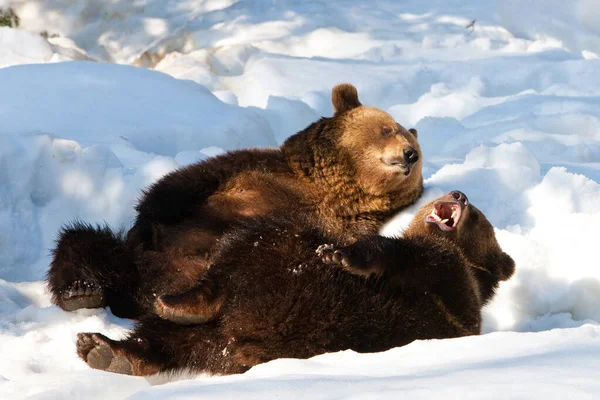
330	254
196	306
349	259
365	257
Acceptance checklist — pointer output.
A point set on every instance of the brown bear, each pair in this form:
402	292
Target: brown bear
279	298
351	172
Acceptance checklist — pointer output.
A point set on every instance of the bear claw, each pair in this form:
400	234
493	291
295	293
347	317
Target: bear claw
81	294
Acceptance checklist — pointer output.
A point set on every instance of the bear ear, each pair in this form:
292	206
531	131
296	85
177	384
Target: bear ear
414	132
344	97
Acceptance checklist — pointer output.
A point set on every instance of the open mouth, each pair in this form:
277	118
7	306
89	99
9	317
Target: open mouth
445	215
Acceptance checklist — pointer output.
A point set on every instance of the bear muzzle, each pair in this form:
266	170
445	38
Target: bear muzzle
403	162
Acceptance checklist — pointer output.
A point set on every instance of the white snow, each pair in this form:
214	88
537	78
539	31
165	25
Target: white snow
551	364
508	111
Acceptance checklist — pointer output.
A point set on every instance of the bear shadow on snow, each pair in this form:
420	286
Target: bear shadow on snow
273	296
348	173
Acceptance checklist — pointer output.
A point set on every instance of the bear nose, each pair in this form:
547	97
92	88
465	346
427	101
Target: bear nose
410	155
460	196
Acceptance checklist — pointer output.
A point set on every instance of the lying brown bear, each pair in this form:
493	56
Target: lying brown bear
351	172
278	298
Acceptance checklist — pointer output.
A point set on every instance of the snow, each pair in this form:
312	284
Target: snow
517	366
507	112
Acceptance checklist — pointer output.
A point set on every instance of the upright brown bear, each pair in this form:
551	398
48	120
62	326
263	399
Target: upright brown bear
278	298
350	172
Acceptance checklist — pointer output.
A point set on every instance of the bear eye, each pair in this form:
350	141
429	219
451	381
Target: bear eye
385	131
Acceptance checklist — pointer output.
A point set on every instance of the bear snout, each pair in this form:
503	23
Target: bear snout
411	156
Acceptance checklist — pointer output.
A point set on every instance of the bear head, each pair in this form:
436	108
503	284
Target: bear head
359	144
386	157
455	219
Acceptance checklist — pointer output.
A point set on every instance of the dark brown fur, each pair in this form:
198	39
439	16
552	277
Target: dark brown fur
351	172
279	298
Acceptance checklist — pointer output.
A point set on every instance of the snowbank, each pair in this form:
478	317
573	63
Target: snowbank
18	46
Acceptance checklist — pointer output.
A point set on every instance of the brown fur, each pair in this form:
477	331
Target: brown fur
351	172
279	298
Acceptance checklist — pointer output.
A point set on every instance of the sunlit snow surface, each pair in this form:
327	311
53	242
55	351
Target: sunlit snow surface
507	111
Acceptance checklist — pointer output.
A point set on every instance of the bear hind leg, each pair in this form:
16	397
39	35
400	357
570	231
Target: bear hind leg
80	294
92	268
119	357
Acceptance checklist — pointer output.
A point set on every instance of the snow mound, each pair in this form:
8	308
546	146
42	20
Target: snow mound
183	114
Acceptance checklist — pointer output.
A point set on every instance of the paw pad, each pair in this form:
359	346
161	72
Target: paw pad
81	294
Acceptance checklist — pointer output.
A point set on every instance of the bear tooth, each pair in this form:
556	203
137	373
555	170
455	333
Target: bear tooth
445	220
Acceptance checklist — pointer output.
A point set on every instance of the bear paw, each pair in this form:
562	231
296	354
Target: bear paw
98	352
348	258
330	255
81	294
